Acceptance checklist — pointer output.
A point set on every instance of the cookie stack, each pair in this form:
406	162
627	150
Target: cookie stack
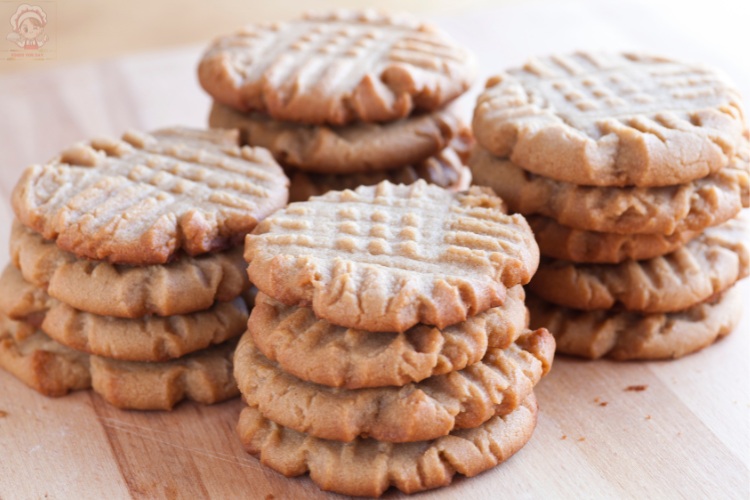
345	99
389	342
126	272
630	169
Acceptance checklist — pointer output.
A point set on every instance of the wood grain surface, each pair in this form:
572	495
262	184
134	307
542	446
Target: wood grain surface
686	434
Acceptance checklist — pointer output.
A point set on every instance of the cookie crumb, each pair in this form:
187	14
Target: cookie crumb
564	437
3	414
603	403
581	439
648	417
270	496
636	388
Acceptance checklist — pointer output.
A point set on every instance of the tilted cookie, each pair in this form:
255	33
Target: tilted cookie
446	169
368	467
337	68
357	148
630	336
141	199
578	245
414	412
54	370
711	263
392	256
149	338
609	119
185	285
691	206
315	350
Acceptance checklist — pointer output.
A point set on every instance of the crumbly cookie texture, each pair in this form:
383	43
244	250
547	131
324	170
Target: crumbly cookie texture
315	350
692	206
185	285
352	149
54	370
445	169
708	265
386	257
204	377
631	336
39	362
367	467
609	119
414	412
337	68
578	245
140	199
149	338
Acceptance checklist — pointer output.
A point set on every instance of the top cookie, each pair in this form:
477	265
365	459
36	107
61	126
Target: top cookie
337	68
140	199
386	257
611	119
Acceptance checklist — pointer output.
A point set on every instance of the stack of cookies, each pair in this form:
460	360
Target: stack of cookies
389	342
127	272
631	170
345	99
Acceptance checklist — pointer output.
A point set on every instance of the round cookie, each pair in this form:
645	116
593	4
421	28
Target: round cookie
709	264
691	206
368	467
142	339
609	119
414	412
353	149
391	256
54	370
578	245
632	336
185	285
141	199
446	169
337	68
313	349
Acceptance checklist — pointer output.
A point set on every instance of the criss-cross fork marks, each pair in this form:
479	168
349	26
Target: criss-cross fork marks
588	90
413	228
330	54
144	187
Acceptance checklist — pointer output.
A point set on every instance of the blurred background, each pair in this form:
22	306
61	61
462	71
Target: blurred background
81	30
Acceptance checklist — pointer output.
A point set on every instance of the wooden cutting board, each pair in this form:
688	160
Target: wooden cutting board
677	429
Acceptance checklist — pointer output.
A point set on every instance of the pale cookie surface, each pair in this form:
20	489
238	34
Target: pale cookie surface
313	349
445	169
414	412
368	467
691	206
337	68
631	336
140	199
386	257
54	370
141	339
578	245
711	263
611	119
185	285
357	148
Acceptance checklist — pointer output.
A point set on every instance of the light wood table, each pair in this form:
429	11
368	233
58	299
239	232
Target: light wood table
686	435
